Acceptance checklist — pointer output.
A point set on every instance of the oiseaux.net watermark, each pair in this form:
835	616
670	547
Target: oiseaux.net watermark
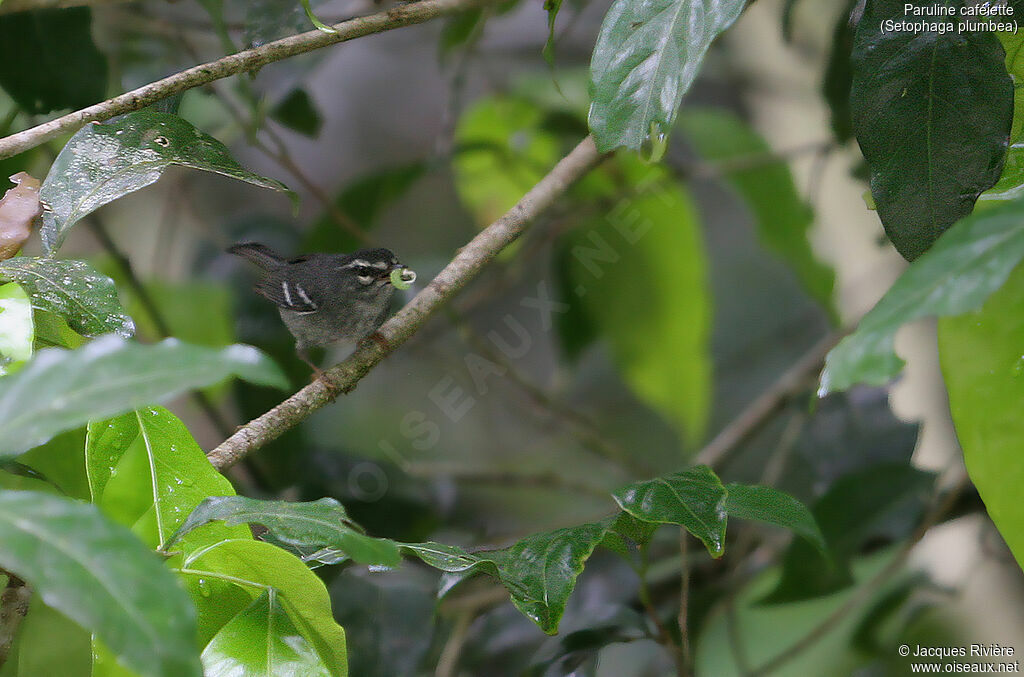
991	658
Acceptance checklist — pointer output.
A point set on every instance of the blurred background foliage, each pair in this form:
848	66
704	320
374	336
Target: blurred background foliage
414	140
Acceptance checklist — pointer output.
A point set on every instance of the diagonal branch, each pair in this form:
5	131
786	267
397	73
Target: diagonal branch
477	253
233	64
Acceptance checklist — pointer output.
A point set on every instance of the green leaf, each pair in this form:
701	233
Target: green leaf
62	461
303	528
694	499
983	366
315	20
882	501
63	389
146	472
459	29
646	57
782	218
932	116
100	576
501	152
103	162
196	311
50	60
86	299
663	352
964	267
539	571
764	504
296	111
253	567
16	328
261	640
551	7
48	643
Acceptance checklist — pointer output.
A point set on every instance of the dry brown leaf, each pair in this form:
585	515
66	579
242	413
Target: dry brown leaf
19	209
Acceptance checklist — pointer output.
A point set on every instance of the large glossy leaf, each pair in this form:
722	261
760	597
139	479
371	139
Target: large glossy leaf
16	328
48	643
259	641
62	462
147	472
99	575
303	528
539	571
63	389
839	76
771	506
103	162
782	218
86	299
252	567
693	498
657	322
50	60
982	363
964	267
931	112
883	501
501	152
647	55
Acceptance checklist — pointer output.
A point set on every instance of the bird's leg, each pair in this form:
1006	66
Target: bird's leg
318	374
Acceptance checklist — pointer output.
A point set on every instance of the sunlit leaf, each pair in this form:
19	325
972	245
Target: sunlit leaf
694	499
931	112
261	640
147	472
86	299
982	357
16	329
99	575
62	389
539	571
956	275
304	528
103	162
646	57
252	567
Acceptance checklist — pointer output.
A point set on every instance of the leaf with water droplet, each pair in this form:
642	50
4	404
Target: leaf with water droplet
103	162
74	290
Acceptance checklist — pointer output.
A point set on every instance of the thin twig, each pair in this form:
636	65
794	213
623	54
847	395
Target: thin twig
14	601
469	261
682	619
766	404
233	64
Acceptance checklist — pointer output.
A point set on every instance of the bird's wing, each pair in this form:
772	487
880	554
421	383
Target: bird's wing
287	292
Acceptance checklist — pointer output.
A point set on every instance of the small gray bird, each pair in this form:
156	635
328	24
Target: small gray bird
325	298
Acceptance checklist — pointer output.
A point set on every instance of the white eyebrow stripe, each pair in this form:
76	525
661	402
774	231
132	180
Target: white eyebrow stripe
304	295
356	263
380	264
287	294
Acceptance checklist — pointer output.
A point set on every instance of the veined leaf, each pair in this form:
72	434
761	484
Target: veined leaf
771	506
146	472
647	55
932	113
86	299
539	571
261	640
303	528
694	499
103	162
253	567
956	275
62	389
99	575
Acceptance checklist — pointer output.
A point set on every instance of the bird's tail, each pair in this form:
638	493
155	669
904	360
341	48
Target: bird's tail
262	255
